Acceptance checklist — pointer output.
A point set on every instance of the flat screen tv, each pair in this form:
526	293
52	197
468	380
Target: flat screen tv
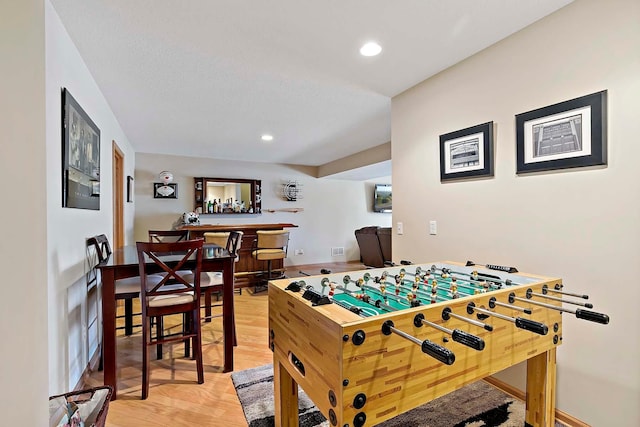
382	198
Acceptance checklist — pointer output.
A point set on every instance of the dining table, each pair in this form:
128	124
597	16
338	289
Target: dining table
123	263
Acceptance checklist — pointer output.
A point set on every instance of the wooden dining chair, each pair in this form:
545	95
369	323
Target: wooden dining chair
211	282
126	290
174	294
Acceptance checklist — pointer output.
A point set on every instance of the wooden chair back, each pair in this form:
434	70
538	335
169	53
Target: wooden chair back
234	242
217	237
170	258
101	246
272	239
167	236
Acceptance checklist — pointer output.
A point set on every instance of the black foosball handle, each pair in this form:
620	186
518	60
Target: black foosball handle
592	316
531	325
438	352
468	339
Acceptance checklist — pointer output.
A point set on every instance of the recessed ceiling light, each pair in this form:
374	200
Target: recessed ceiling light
267	138
370	49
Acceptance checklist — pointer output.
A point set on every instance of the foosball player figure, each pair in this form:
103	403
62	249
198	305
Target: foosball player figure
474	275
332	288
383	277
485	287
383	291
445	273
454	290
414	290
366	298
413	302
398	285
434	294
434	286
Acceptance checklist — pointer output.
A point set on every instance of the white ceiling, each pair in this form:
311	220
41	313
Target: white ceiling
208	77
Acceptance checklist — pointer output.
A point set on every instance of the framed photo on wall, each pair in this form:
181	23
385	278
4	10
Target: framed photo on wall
165	191
467	153
80	156
129	189
569	134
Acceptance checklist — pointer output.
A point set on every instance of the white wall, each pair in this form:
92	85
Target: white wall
582	224
68	228
23	307
333	209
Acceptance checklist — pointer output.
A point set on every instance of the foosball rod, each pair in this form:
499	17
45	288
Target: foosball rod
493	302
353	295
591	316
458	335
425	292
494	267
467	277
526	324
552	298
434	350
447	313
557	288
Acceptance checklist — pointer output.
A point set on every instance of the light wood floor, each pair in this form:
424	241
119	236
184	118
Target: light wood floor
175	398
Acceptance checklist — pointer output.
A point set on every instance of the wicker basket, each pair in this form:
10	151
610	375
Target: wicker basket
93	404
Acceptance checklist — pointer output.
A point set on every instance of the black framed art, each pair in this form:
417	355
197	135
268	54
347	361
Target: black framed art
467	153
165	191
129	189
80	156
569	134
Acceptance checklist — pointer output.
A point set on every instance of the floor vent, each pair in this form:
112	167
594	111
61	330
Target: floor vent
337	251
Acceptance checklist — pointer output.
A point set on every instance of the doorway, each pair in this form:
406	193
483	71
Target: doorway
118	196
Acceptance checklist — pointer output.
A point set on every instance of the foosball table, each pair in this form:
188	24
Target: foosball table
369	345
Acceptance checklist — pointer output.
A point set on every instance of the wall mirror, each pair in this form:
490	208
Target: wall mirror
227	196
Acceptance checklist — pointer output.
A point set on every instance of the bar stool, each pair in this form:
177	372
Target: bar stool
270	245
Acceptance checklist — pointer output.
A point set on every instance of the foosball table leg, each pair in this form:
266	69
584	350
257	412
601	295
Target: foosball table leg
285	396
541	387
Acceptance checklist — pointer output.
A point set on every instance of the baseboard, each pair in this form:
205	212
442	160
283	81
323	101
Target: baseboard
562	417
86	374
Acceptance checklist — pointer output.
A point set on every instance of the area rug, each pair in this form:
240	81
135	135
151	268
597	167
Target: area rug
476	405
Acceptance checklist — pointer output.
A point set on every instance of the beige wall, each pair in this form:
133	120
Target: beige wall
23	308
582	224
332	209
70	343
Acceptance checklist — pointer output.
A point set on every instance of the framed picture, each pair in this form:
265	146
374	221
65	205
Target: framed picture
80	156
129	189
467	153
569	134
165	191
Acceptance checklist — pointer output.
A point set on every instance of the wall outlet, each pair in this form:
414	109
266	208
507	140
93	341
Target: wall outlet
299	252
400	228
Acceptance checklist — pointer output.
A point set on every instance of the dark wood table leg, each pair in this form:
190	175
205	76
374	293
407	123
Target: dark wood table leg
228	321
109	329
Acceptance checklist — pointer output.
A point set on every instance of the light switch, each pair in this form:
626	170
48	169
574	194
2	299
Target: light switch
433	227
399	228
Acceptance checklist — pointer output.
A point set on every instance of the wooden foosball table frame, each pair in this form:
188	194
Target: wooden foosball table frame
358	375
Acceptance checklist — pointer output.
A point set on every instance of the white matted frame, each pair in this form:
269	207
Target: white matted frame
467	153
565	135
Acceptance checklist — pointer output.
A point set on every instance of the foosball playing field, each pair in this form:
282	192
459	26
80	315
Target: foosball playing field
368	345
